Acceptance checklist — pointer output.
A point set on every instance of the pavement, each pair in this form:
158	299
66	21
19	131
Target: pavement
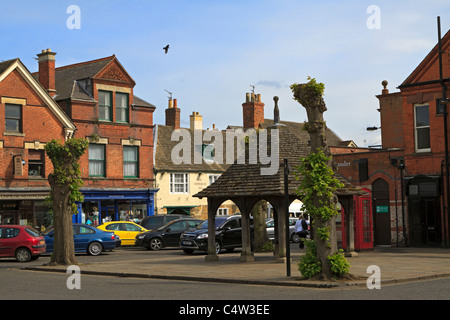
396	265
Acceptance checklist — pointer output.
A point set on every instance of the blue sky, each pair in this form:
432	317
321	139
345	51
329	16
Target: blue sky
219	48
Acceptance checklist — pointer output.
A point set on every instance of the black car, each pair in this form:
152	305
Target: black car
228	235
159	220
167	235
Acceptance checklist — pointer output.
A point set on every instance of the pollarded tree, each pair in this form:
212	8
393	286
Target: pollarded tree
318	186
65	182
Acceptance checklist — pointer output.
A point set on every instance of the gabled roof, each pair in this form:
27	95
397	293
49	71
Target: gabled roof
9	66
428	69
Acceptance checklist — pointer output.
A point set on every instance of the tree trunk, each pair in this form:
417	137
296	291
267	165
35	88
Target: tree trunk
63	245
259	221
315	107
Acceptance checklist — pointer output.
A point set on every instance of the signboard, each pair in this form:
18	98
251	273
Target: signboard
382	209
18	168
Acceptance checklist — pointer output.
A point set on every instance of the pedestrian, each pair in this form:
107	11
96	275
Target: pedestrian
301	228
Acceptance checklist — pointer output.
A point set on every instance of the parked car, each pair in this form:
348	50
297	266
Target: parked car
21	242
126	230
270	227
87	239
228	235
159	220
167	235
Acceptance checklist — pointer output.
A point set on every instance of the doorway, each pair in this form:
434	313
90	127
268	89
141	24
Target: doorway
424	211
381	212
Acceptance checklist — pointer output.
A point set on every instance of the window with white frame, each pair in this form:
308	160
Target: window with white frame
179	183
213	177
422	127
222	212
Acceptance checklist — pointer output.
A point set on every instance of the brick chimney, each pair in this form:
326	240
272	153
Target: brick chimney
173	114
47	70
196	121
253	111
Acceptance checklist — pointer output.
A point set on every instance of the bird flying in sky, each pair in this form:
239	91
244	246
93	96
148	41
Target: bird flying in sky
166	48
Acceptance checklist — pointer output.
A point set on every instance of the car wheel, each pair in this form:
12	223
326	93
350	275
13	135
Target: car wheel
218	247
23	255
155	244
94	248
295	238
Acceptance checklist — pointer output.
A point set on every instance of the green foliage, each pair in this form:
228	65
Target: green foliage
66	169
323	233
339	265
309	265
306	91
317	185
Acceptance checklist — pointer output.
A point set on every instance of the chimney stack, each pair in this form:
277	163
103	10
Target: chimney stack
253	111
173	114
196	121
46	60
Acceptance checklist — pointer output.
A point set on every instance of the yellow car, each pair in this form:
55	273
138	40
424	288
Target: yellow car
126	230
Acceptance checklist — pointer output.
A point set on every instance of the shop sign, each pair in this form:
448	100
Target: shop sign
382	209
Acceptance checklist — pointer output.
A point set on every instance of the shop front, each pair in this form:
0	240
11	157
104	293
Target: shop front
24	206
102	205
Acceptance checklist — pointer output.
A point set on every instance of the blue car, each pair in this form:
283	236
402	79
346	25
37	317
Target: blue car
87	239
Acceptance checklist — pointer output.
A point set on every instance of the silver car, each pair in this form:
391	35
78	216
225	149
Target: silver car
270	226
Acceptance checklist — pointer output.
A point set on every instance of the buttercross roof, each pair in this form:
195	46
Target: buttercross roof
246	180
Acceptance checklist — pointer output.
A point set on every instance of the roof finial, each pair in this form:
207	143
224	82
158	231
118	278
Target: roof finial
276	111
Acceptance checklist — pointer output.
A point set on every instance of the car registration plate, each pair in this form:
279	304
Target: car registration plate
186	242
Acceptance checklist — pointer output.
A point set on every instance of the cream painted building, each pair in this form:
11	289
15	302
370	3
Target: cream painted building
177	183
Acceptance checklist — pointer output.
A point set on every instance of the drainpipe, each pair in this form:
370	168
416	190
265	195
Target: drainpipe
444	103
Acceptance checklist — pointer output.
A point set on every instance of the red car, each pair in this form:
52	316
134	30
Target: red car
22	242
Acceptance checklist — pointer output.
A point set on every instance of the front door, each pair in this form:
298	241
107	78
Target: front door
381	212
425	226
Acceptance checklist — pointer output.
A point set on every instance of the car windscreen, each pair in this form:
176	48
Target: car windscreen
204	224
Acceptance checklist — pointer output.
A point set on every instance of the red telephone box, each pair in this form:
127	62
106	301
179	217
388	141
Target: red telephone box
362	223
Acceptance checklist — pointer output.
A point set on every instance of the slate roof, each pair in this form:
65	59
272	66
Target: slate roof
6	64
297	129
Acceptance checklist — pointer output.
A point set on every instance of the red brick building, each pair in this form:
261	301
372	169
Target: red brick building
29	118
406	177
94	100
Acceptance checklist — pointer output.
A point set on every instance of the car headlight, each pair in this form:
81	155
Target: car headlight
141	236
202	236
